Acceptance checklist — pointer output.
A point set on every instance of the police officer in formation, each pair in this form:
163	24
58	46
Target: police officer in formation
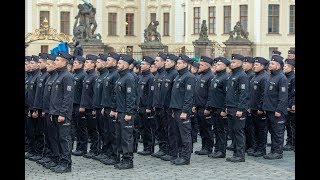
201	95
108	103
113	106
237	99
125	108
216	106
77	117
275	103
60	111
145	99
290	119
182	99
157	103
257	88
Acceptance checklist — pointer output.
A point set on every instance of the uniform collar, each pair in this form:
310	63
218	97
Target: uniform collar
161	70
145	72
112	68
102	71
182	71
91	71
170	69
276	71
221	72
63	69
78	71
123	72
238	69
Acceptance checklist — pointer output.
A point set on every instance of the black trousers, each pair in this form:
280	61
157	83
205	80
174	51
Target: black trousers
92	131
148	129
172	134
249	132
61	140
161	119
237	125
260	133
206	129
183	129
75	118
195	127
108	133
100	128
125	137
47	146
220	132
291	128
80	129
35	134
276	129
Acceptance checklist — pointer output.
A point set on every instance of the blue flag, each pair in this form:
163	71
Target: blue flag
63	46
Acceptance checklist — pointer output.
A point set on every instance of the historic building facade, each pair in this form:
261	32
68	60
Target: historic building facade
121	23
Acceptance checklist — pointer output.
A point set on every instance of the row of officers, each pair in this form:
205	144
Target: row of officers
114	101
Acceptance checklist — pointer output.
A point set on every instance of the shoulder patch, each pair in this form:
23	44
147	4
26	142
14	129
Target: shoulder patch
283	89
128	89
68	88
188	86
243	86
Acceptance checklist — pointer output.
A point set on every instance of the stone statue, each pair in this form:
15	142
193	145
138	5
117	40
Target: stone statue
203	35
239	31
151	34
85	19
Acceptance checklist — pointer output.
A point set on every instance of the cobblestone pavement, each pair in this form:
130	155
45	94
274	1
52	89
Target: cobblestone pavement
147	167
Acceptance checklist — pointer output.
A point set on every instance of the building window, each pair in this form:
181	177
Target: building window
166	24
271	49
292	19
65	22
43	15
244	17
212	20
227	19
112	24
184	23
196	20
130	24
44	48
153	17
273	18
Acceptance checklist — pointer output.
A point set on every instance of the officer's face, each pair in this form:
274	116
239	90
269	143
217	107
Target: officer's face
153	68
50	65
203	66
100	64
122	65
181	64
42	64
159	63
60	62
144	66
77	64
169	63
88	65
235	63
136	69
291	56
257	67
287	68
111	62
246	66
26	66
33	65
273	66
220	66
194	70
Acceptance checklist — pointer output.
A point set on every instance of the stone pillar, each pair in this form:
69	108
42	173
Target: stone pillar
243	48
91	46
151	49
203	48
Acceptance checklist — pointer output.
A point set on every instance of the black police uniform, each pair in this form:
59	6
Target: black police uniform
137	130
40	133
34	150
96	103
276	100
125	105
290	119
257	88
77	118
61	104
159	113
237	99
90	121
108	102
182	99
205	121
28	76
145	97
50	130
216	104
